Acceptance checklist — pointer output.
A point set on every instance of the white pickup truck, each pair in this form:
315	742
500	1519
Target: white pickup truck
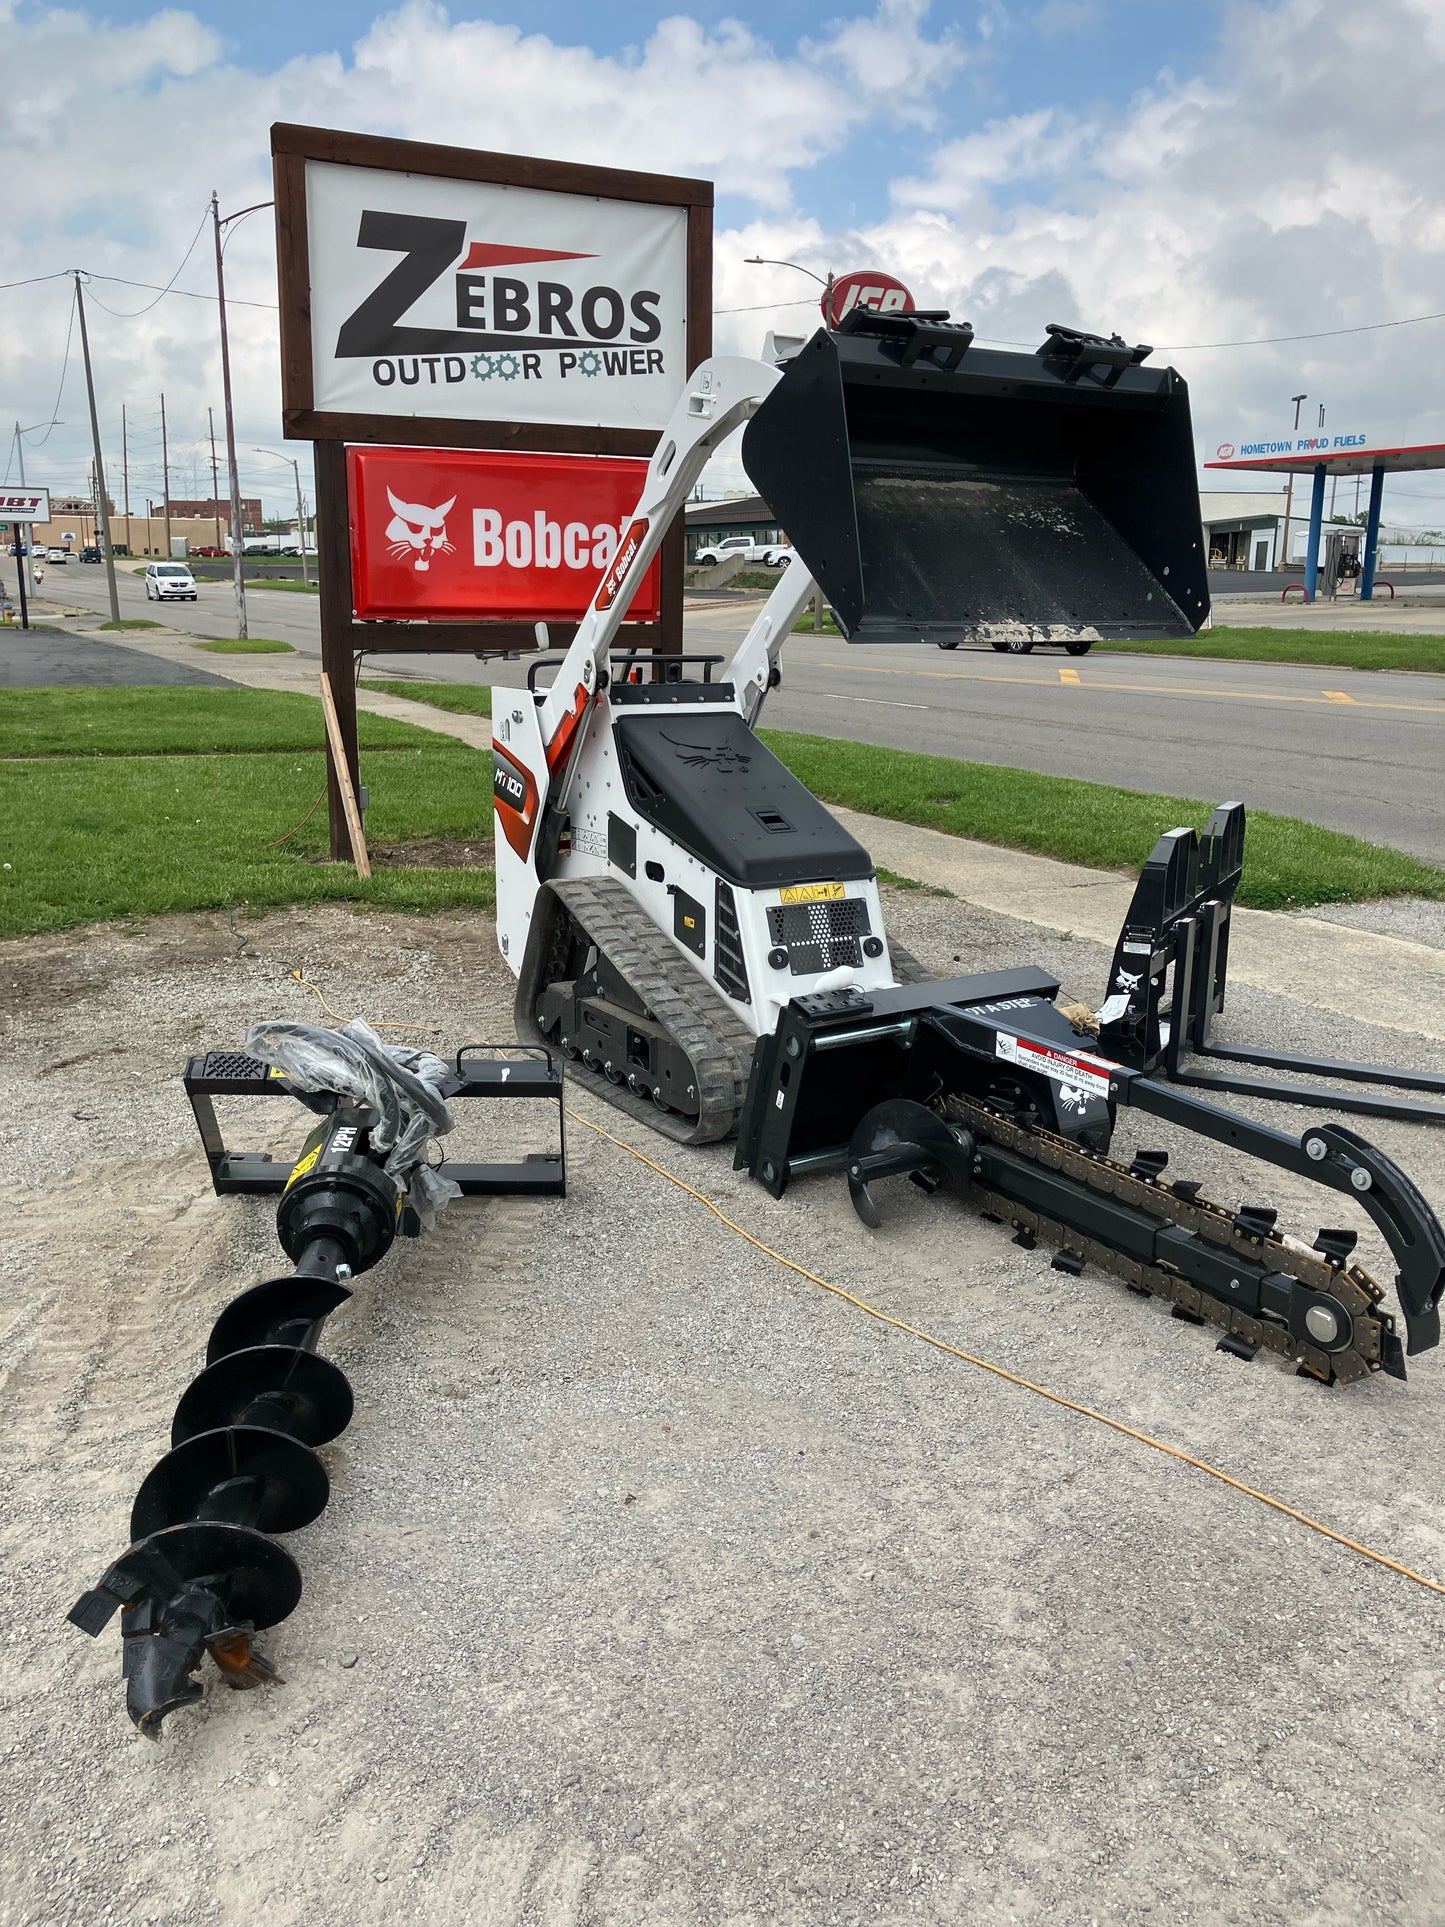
772	555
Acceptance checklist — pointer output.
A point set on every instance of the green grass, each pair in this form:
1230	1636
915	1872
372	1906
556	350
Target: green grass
1338	649
285	586
805	626
141	836
1288	864
467	699
911	883
156	722
133	622
247	646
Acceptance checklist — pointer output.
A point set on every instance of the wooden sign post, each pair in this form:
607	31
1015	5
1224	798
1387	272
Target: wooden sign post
451	298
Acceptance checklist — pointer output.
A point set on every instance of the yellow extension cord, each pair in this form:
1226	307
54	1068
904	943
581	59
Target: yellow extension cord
1013	1378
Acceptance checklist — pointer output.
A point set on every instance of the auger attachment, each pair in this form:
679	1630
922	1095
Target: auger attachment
200	1575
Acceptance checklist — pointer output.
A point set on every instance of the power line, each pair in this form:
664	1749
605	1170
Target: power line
232	301
1322	334
166	289
64	365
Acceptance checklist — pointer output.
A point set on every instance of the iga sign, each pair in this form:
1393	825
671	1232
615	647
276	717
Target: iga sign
865	288
466	299
449	535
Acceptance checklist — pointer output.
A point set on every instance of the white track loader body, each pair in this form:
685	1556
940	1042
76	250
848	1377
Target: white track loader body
566	784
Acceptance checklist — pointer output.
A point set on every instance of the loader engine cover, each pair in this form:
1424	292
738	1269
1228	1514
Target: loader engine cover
952	493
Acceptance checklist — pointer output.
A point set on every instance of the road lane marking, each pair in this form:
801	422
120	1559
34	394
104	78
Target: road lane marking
1068	675
873	702
1128	688
1338	696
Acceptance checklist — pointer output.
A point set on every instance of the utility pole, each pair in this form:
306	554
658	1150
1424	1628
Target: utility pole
238	577
125	474
166	479
1289	489
26	540
215	480
107	553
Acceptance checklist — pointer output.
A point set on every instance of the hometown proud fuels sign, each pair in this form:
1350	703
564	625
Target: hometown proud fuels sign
459	300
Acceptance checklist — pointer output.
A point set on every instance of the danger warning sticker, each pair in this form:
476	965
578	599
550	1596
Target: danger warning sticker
1089	1074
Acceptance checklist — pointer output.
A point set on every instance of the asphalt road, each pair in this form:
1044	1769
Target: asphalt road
1355	751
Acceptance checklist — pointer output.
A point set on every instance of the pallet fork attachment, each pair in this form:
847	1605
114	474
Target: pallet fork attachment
1169	978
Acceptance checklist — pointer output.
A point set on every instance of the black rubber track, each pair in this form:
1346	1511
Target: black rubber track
716	1043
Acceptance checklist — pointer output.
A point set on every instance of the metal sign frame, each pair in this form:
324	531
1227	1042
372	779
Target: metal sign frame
342	636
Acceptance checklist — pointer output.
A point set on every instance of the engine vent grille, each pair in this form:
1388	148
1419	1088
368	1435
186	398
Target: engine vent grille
729	965
820	936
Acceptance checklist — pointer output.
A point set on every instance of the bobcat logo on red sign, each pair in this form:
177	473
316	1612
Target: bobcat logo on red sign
417	533
442	534
865	288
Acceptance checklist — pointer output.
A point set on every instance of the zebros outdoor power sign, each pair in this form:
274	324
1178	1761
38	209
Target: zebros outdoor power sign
468	300
447	534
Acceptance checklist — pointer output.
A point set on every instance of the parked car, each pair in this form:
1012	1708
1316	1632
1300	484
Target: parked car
772	555
91	555
170	582
57	555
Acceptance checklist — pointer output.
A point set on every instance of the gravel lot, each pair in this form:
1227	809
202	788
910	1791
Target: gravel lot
659	1588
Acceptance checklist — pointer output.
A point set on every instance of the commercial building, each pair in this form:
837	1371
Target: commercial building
748	515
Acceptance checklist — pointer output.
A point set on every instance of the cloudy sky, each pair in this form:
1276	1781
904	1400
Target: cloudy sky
1187	172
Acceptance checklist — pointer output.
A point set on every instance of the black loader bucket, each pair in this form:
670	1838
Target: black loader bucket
940	492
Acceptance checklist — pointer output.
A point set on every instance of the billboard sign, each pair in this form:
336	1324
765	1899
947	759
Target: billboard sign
451	535
459	299
448	295
24	505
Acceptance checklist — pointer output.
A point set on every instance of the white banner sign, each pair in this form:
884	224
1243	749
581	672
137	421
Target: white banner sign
24	504
469	301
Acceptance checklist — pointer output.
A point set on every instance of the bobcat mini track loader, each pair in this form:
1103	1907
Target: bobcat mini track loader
691	925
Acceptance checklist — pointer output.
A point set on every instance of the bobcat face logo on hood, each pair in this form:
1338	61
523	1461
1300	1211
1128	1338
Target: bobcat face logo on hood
417	531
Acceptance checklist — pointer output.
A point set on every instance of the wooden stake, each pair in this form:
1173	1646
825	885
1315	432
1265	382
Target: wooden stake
342	771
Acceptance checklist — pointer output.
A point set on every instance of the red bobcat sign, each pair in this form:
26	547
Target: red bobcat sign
445	534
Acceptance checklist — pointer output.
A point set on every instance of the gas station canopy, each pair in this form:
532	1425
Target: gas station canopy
1323	455
1337	461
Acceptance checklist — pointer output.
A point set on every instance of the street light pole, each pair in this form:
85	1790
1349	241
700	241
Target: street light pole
238	575
295	467
1289	489
826	284
107	553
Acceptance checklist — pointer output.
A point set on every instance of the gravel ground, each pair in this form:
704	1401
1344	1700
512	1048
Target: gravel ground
1418	918
659	1588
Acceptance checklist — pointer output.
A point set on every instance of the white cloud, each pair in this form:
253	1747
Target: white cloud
1294	188
1289	187
120	133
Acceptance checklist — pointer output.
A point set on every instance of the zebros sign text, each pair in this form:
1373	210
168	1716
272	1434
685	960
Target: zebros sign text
446	534
468	299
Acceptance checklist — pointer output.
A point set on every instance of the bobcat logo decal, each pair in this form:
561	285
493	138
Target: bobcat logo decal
418	532
722	757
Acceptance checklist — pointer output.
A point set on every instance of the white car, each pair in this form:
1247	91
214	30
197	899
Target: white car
169	582
56	555
772	555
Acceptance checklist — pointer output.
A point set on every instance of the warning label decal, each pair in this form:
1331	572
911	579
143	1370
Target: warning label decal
1089	1074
